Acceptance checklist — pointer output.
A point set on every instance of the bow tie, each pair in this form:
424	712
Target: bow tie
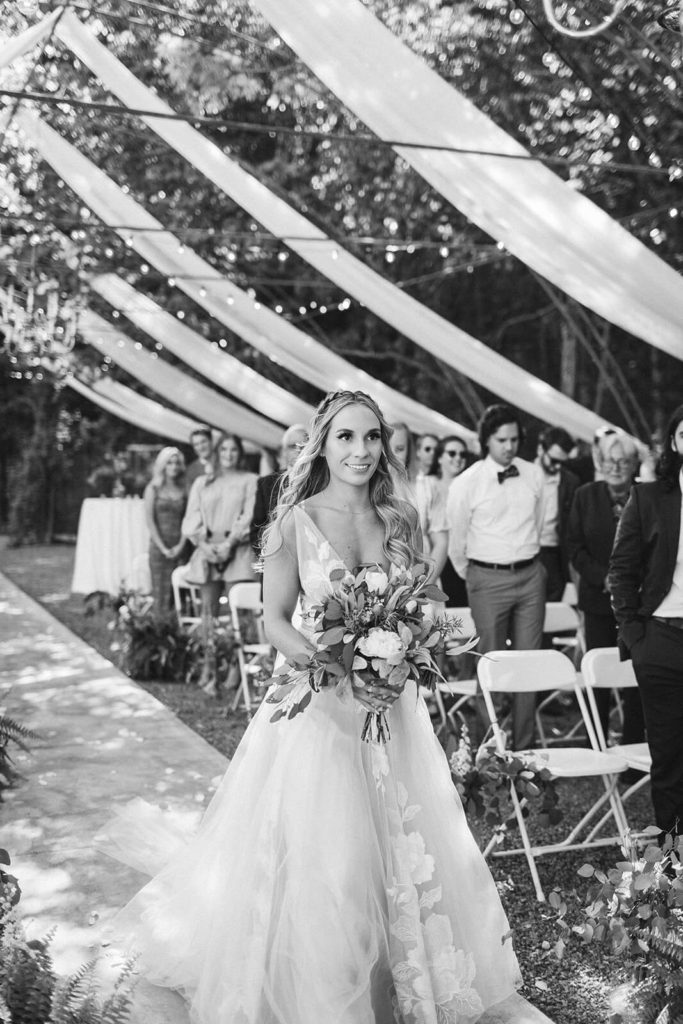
505	474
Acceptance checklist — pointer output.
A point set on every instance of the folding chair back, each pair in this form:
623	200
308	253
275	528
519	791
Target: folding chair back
246	597
530	671
186	598
560	618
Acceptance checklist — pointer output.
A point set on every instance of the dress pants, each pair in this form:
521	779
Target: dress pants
510	604
554	584
658	664
601	631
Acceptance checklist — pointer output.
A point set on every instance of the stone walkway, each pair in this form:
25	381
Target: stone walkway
103	741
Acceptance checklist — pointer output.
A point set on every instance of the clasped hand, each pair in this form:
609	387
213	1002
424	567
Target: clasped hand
216	552
376	694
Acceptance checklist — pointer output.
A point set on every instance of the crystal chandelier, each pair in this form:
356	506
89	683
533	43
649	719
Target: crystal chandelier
37	325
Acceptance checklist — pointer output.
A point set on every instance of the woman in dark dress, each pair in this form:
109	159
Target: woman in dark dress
450	459
165	502
593	520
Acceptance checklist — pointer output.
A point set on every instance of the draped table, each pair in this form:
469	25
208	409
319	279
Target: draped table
111	545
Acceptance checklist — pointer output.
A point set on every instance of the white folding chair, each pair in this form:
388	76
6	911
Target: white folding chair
602	668
561	622
186	598
462	689
246	597
532	671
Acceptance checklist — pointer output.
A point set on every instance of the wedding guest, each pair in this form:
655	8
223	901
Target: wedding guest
114	479
495	512
425	448
165	500
450	460
593	521
559	485
269	485
424	493
219	512
202	444
645	579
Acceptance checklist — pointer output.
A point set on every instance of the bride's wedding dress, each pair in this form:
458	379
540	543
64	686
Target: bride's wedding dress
331	881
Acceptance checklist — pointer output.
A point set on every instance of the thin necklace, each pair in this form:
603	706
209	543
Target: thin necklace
348	511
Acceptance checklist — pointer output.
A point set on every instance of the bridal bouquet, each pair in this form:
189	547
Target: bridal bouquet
372	628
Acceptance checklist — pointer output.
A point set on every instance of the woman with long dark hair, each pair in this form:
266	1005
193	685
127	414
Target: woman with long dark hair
645	580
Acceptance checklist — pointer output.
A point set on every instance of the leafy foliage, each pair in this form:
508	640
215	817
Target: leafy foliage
483	779
11	732
31	992
636	908
152	647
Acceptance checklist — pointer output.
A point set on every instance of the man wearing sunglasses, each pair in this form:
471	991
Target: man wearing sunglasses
559	484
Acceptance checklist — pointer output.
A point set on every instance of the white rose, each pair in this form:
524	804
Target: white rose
380	643
377	581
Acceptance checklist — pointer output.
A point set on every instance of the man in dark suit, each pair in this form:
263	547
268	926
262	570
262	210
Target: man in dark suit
645	580
268	487
552	454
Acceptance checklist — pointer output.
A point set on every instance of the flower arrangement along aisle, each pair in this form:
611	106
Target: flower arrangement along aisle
373	627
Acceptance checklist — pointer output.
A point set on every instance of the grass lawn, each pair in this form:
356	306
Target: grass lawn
573	990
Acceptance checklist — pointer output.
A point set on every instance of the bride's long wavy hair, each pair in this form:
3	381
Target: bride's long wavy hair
309	475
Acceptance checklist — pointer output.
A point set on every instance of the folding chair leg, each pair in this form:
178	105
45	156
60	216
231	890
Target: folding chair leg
540	895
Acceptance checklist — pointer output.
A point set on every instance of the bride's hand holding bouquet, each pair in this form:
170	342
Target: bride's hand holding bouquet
374	632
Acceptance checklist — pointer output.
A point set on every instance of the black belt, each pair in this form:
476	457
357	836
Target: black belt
669	621
510	565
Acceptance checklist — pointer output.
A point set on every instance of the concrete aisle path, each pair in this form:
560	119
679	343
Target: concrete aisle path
103	741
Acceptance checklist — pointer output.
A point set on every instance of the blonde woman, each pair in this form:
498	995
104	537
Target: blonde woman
165	499
331	880
219	512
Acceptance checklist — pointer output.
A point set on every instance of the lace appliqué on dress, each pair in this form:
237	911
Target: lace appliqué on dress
434	981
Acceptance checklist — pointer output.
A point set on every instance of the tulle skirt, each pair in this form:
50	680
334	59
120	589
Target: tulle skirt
331	881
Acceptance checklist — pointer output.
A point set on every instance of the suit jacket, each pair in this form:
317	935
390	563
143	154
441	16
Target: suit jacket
565	497
590	536
267	494
643	560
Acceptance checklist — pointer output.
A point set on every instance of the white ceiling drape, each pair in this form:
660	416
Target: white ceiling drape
175	386
261	327
160	421
555	230
410	317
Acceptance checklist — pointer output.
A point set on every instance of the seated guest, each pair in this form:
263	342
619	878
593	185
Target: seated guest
450	460
219	511
165	501
113	479
552	455
268	486
202	445
593	521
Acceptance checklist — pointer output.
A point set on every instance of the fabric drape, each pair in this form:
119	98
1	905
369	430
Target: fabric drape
561	234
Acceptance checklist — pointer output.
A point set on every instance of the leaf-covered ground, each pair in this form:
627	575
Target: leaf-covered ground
574	990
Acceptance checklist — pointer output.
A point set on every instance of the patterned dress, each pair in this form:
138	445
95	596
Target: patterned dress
168	512
331	881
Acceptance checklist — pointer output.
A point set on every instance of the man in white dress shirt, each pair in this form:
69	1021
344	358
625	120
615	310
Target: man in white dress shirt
495	513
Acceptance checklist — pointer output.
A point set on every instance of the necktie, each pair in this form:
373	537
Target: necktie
505	474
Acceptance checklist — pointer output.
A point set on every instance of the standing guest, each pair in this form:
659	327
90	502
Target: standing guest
423	492
450	460
202	445
219	512
645	580
593	522
559	485
495	513
586	464
268	486
165	500
425	449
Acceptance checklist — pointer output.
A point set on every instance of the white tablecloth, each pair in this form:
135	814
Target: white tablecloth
111	546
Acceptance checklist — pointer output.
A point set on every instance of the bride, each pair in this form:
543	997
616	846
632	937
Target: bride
331	881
